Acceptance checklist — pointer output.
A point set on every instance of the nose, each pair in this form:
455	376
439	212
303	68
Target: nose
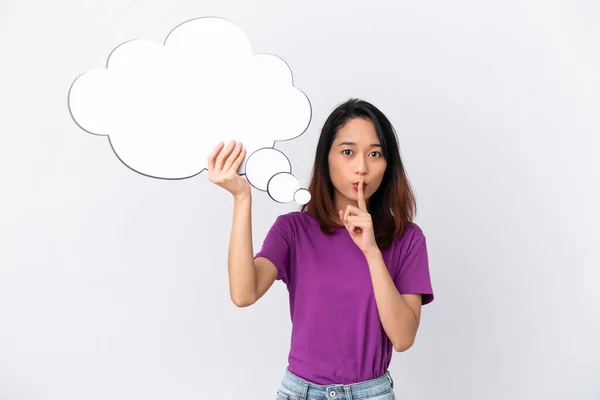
361	165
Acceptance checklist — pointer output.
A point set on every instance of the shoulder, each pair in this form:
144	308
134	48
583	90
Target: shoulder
411	232
297	218
295	221
411	237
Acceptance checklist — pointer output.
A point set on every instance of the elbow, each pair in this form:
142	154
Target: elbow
404	345
242	302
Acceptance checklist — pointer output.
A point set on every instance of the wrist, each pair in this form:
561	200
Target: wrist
242	197
372	252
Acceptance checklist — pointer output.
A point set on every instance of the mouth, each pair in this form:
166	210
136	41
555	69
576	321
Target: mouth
355	184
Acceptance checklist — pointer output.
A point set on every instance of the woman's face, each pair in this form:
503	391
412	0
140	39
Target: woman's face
355	152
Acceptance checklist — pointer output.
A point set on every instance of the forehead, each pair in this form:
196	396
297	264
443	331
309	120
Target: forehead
357	130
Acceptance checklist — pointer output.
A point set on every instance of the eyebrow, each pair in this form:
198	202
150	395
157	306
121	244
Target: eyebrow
352	143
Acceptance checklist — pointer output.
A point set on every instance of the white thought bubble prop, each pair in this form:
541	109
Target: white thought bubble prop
164	108
283	187
269	169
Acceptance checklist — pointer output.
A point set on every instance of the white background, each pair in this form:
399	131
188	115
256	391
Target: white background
114	285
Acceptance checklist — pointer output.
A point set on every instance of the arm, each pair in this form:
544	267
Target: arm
240	261
400	314
249	278
223	164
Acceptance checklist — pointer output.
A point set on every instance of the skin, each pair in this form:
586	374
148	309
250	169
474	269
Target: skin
349	163
355	156
223	164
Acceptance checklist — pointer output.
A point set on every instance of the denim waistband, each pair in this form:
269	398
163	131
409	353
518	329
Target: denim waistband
296	388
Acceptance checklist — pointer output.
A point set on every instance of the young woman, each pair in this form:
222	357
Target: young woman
354	263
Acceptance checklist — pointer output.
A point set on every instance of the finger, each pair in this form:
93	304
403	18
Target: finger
358	218
343	219
352	210
213	155
354	227
361	195
359	221
238	161
224	154
233	157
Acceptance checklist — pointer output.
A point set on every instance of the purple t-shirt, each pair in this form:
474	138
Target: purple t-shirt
337	336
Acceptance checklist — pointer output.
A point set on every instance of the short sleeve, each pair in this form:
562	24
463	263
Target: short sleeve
276	248
413	275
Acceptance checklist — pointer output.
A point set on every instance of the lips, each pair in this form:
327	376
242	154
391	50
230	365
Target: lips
355	184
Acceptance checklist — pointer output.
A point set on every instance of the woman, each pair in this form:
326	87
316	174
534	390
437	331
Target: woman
354	263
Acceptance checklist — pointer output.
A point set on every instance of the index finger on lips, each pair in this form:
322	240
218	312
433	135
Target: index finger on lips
361	196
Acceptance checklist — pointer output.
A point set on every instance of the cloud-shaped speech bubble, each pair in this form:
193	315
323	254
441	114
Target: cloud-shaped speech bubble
270	170
164	108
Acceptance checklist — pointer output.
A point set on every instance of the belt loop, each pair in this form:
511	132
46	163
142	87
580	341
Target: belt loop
390	378
304	393
348	393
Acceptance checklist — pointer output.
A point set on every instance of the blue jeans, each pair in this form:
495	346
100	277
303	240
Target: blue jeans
295	388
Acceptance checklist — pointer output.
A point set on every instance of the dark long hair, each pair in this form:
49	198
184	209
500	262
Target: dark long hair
392	206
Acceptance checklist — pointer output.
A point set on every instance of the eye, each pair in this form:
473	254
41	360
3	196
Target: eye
376	152
346	150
